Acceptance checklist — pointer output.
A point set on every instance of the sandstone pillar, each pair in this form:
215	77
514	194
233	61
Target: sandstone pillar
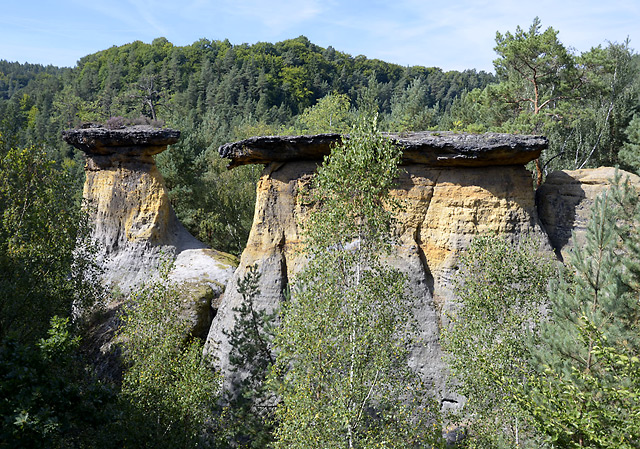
135	226
452	186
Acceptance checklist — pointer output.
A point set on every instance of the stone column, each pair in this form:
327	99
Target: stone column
452	186
135	226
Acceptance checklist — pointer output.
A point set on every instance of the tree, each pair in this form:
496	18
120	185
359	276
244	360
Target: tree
342	373
249	416
147	93
46	257
215	204
570	372
168	389
49	400
630	152
502	291
585	391
589	131
537	72
410	109
582	103
536	69
329	114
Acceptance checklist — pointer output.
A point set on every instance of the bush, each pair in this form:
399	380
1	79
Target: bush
169	388
48	399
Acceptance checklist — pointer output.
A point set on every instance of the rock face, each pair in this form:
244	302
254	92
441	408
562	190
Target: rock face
565	200
135	226
453	187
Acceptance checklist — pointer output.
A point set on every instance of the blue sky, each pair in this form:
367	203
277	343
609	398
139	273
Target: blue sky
450	34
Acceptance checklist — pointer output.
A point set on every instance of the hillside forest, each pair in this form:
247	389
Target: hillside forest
587	104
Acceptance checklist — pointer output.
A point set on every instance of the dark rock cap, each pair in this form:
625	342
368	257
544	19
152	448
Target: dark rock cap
141	139
437	149
130	145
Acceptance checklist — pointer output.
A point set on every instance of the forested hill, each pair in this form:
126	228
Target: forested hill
232	85
565	378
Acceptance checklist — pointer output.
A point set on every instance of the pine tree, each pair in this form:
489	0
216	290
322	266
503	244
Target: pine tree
585	393
248	418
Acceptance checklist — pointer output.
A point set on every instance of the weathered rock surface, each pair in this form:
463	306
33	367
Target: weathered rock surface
452	186
437	149
135	226
109	147
444	208
565	200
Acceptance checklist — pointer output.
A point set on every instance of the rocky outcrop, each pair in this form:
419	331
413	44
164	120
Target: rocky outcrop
135	227
452	186
565	200
436	149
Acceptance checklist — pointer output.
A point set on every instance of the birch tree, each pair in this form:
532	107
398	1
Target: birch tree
342	348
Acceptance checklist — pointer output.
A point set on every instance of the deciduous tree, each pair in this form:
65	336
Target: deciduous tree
46	265
343	343
502	291
168	388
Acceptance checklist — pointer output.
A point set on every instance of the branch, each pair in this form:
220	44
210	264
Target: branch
364	401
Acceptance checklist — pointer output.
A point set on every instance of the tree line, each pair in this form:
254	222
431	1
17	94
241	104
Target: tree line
216	92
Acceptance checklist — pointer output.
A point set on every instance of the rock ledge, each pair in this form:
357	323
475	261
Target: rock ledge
107	146
436	149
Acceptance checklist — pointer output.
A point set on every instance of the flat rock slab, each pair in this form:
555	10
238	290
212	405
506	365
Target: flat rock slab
139	140
436	149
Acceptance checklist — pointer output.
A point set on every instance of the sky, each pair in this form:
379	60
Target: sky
450	34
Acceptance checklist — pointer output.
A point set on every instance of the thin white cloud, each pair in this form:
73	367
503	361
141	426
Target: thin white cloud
147	10
273	17
102	13
451	34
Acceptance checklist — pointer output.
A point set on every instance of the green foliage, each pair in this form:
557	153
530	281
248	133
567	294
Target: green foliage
46	260
214	203
589	131
585	392
341	372
215	93
582	103
630	152
502	289
570	375
536	68
248	419
170	391
270	82
410	109
329	114
48	400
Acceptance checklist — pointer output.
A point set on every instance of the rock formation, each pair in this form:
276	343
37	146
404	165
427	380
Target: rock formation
436	149
565	200
453	187
135	226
